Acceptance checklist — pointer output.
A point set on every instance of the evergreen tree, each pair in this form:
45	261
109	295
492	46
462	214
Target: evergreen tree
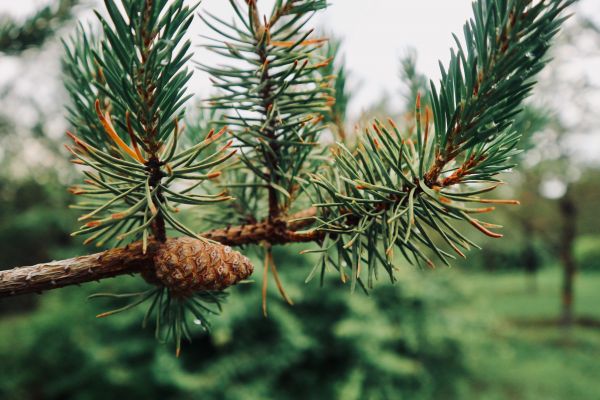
16	37
261	177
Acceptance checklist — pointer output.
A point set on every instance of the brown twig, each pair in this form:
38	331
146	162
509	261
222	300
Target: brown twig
130	259
73	271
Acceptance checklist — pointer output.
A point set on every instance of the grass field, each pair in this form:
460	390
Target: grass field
520	361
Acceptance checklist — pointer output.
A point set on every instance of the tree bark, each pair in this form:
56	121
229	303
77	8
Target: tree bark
568	212
529	256
56	274
278	232
130	259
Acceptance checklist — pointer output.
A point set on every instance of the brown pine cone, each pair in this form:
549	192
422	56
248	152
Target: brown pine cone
186	265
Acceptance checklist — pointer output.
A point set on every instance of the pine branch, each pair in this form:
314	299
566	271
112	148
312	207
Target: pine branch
335	73
486	81
399	188
272	95
131	259
279	231
261	31
139	174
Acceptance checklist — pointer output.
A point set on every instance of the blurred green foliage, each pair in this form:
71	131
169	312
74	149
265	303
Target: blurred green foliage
587	252
406	341
526	356
17	36
35	226
35	220
441	335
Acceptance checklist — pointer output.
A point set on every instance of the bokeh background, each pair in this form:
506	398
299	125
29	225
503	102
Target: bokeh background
496	326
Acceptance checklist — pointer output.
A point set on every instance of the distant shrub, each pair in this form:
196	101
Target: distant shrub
529	257
587	252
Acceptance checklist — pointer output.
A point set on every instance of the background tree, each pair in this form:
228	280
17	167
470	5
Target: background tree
554	162
565	169
16	37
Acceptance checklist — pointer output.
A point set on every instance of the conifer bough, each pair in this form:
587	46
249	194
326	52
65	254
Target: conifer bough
253	167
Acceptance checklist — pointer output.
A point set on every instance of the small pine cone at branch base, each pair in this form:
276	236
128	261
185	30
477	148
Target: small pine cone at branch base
186	265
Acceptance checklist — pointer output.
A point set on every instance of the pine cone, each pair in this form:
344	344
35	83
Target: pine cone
186	265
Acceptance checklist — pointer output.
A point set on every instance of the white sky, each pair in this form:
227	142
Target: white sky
375	34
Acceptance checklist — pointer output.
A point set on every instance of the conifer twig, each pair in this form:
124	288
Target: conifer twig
131	259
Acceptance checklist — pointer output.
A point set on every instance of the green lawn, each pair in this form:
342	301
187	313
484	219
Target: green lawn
509	295
515	361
